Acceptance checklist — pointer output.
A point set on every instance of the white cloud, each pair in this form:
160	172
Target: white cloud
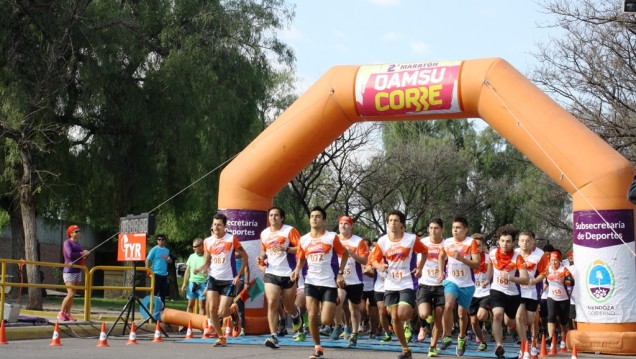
391	36
420	47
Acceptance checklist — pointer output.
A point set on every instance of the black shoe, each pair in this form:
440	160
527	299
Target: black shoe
317	354
405	355
499	352
272	342
281	332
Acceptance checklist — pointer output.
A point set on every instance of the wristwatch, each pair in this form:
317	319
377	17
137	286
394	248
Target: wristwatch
340	272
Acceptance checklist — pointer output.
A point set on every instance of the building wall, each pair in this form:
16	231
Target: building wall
51	235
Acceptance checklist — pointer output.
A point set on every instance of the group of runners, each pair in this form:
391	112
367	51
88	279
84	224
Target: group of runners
434	281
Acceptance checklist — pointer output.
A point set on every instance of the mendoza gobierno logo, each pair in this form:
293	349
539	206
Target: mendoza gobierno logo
600	281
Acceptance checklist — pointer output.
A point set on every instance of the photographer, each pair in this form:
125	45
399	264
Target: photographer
194	284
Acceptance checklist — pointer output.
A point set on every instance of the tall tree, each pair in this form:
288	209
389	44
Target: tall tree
127	103
590	68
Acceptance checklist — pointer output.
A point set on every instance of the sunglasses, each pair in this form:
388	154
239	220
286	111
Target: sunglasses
76	231
197	246
161	239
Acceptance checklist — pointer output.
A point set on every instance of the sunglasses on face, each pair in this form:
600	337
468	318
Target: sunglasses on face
76	231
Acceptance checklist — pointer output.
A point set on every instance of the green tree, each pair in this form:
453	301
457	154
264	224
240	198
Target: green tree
113	107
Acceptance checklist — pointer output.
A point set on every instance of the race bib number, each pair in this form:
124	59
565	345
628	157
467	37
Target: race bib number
218	260
397	274
432	273
316	257
502	279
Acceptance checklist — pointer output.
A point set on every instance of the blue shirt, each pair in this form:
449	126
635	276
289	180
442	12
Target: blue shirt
158	263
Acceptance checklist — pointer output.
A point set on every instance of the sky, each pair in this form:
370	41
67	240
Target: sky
327	33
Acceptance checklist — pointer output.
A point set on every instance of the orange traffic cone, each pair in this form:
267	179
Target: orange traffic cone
55	340
189	331
544	351
158	338
575	354
533	349
103	338
227	326
563	349
526	349
3	334
553	347
206	330
132	337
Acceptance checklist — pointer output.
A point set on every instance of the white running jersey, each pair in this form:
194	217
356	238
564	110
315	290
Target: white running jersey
280	263
536	263
378	281
353	270
322	264
401	257
482	282
504	265
456	271
556	289
222	256
431	268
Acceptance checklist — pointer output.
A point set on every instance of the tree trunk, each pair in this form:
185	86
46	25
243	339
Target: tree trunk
27	208
17	244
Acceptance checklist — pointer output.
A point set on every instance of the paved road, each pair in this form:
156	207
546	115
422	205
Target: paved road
175	348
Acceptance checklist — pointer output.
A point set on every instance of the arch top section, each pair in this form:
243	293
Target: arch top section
490	89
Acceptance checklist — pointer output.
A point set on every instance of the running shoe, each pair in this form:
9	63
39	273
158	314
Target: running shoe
432	352
499	352
61	316
297	323
326	331
446	342
461	346
335	334
316	354
482	347
300	337
221	342
408	333
353	340
386	338
272	342
346	333
406	354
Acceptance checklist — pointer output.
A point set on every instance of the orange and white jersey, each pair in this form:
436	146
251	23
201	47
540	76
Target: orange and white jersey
222	256
278	262
482	282
456	271
431	269
536	263
322	264
378	280
401	257
353	270
504	265
556	289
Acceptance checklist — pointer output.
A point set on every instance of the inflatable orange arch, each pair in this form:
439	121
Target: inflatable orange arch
578	160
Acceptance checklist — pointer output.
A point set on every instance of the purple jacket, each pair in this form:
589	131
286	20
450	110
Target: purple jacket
72	251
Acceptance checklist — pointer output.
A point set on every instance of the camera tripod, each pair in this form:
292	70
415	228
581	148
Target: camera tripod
129	308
